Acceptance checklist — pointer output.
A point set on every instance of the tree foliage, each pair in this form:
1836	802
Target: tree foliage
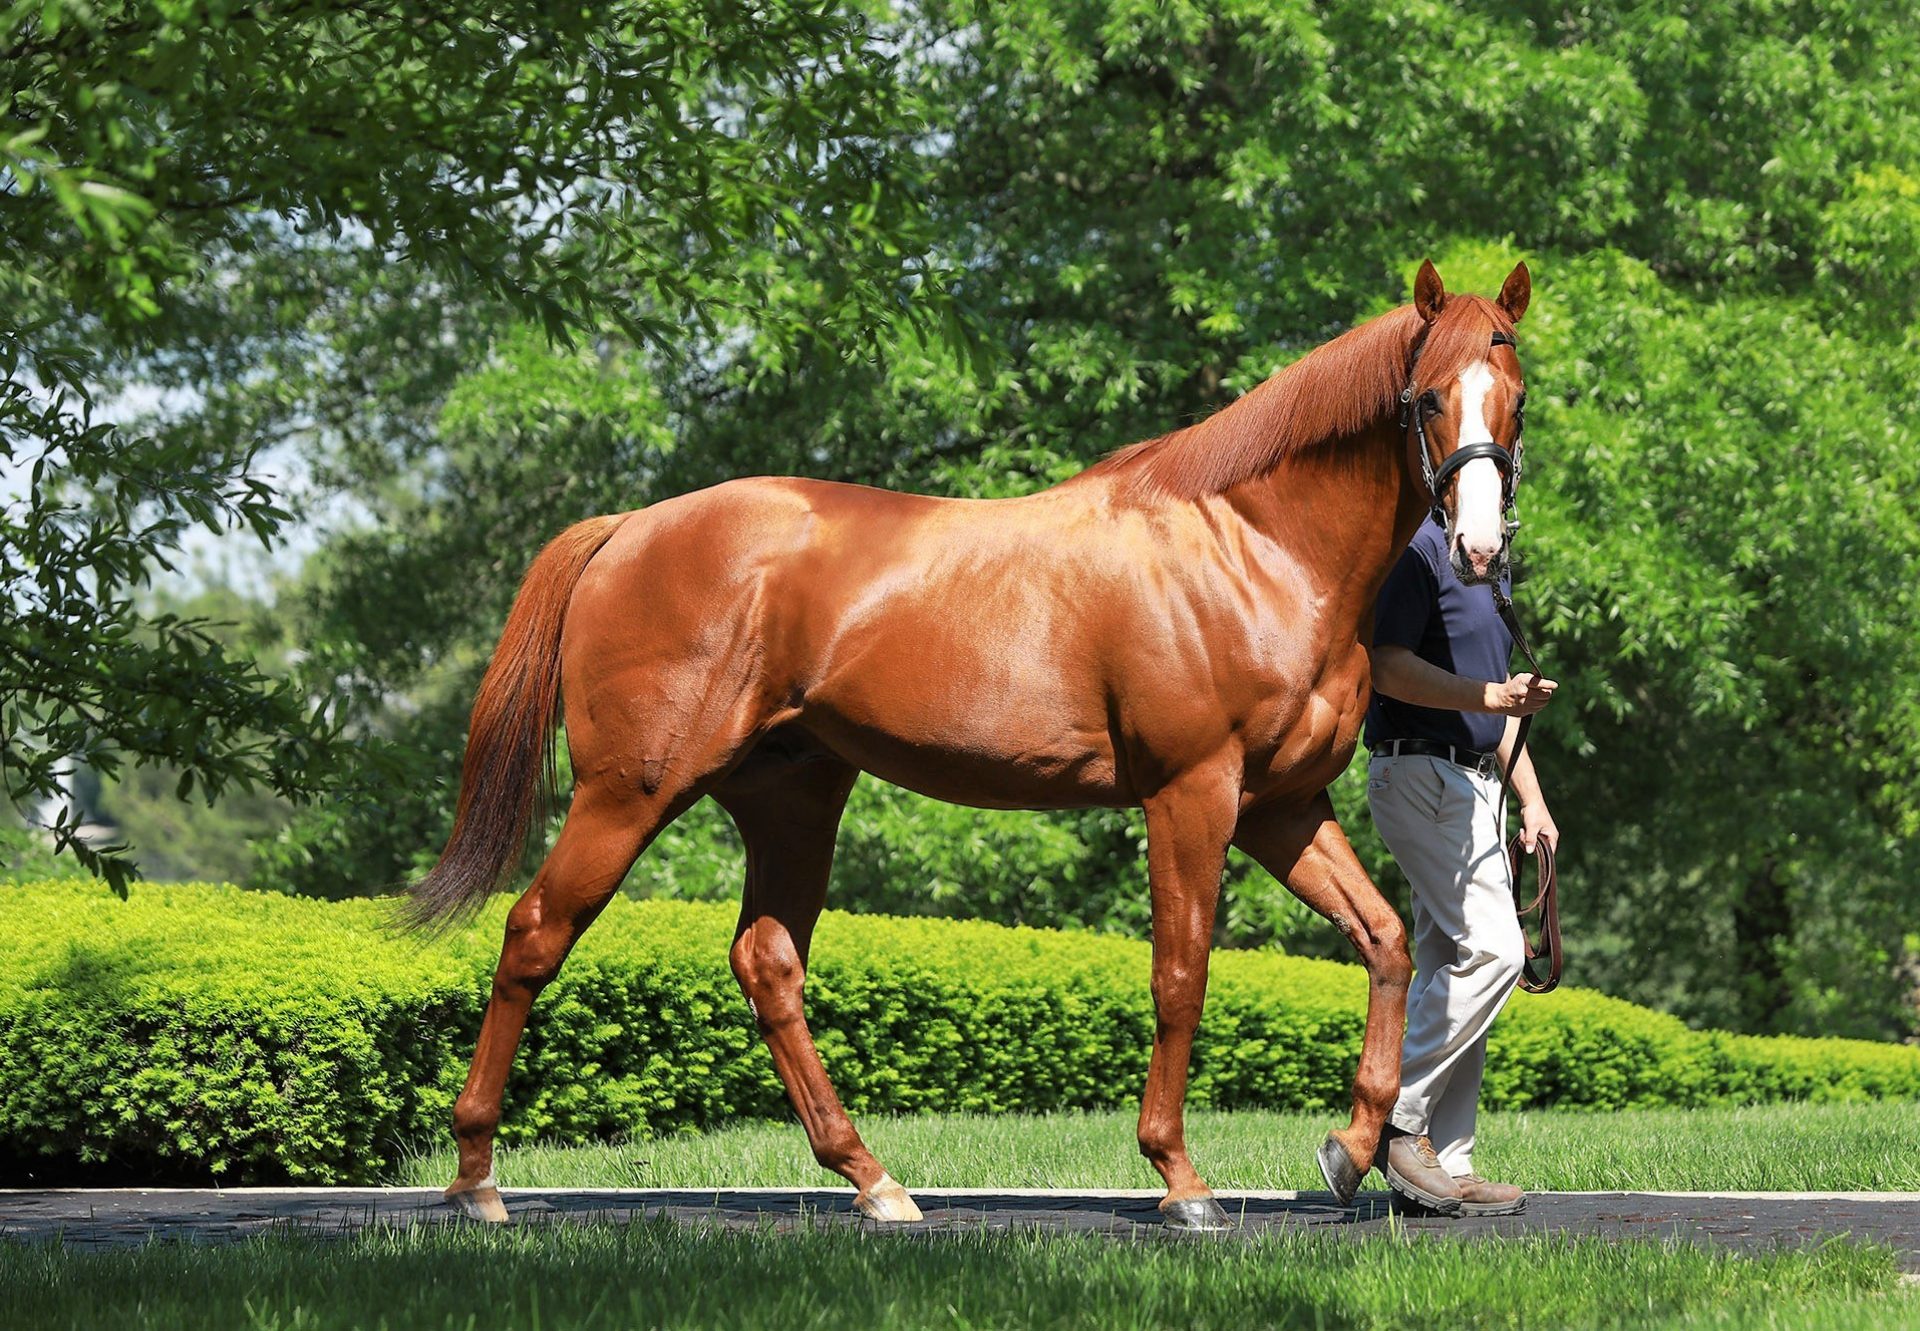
633	166
1145	208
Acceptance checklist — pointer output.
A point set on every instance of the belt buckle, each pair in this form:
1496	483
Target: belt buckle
1489	765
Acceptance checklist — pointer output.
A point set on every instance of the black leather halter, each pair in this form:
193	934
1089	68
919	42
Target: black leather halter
1439	478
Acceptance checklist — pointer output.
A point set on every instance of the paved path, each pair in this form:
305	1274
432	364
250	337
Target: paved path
1743	1221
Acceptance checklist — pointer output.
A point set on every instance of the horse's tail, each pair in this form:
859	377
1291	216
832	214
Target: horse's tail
509	771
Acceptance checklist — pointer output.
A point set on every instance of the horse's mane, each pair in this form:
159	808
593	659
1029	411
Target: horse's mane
1336	390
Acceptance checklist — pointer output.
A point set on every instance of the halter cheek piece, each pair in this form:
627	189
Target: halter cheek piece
1437	479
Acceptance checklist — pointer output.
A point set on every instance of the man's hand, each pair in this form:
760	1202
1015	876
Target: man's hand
1537	822
1523	695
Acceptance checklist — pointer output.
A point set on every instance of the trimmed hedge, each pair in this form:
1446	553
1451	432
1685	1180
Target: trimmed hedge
195	1032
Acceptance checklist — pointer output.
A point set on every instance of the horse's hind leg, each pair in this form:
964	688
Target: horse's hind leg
788	813
604	833
1304	847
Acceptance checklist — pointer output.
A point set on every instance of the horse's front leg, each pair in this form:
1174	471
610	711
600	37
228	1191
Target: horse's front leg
1304	847
1188	827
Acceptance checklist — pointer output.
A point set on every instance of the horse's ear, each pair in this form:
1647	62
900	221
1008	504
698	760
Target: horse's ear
1516	292
1429	294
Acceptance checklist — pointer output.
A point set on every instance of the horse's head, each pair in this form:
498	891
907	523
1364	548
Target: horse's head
1462	414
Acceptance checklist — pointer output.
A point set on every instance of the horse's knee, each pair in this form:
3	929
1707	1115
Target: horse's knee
531	964
1179	991
1382	945
769	972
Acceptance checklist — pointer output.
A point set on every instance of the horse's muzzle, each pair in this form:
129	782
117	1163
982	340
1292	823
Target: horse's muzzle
1464	570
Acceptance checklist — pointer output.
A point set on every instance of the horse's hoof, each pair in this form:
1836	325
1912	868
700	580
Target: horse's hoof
1337	1168
1195	1215
480	1202
888	1202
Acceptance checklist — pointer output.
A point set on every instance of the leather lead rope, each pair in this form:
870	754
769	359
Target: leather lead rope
1546	901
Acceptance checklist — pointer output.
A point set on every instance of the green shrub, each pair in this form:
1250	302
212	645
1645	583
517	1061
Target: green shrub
195	1032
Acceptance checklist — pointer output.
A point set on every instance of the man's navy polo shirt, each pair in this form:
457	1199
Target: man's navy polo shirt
1426	609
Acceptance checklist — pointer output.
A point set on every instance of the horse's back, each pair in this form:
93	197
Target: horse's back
1012	652
893	626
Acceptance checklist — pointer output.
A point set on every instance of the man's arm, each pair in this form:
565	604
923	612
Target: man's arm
1399	673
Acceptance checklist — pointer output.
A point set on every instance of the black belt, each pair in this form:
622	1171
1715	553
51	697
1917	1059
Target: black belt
1486	764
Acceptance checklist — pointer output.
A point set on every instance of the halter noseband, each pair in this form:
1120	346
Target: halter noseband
1437	479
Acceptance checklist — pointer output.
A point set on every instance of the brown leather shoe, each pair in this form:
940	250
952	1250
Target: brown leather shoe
1414	1171
1479	1197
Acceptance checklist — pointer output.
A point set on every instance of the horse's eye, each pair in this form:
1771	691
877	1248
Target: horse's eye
1430	402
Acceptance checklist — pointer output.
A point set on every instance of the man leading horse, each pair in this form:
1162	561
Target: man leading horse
1442	727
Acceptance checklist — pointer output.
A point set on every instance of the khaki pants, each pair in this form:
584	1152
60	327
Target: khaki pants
1442	823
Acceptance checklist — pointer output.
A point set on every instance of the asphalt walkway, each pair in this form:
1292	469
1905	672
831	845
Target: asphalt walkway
1748	1222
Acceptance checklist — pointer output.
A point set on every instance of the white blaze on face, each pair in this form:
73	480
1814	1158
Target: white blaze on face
1478	523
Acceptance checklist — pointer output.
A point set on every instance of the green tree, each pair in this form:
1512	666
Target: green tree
180	840
582	166
1149	206
1726	572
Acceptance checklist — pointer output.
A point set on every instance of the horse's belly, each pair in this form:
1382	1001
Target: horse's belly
970	671
988	757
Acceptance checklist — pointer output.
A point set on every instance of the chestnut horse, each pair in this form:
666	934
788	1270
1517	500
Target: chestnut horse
1184	626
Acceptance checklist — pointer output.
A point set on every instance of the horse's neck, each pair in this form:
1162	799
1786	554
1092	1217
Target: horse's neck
1344	511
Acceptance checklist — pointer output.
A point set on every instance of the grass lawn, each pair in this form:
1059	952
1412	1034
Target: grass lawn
563	1277
1828	1148
560	1278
